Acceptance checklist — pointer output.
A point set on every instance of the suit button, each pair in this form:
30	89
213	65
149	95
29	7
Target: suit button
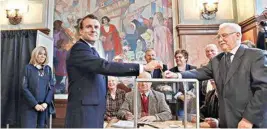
79	88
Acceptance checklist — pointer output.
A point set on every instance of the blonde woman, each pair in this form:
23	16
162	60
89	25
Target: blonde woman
37	90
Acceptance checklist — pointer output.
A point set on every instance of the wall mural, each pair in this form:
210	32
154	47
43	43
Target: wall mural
128	28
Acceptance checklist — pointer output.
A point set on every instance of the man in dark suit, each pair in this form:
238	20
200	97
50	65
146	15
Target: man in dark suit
87	83
240	75
150	55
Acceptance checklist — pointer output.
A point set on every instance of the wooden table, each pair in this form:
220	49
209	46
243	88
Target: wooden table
165	124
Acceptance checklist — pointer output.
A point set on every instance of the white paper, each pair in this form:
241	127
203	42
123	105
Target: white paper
123	124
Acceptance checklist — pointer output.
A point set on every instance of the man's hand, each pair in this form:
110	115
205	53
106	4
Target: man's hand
154	64
204	125
148	119
213	123
244	123
169	74
38	107
182	97
111	118
44	105
129	116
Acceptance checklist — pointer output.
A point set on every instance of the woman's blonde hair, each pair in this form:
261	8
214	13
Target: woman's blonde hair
35	53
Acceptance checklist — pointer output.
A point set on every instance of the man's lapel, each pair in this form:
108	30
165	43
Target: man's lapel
221	70
151	103
235	63
139	103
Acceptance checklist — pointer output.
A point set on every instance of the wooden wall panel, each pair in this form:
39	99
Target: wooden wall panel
194	38
250	29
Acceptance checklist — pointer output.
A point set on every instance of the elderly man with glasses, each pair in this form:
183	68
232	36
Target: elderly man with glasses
240	75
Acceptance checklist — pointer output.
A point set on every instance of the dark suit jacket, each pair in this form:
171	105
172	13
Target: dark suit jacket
157	72
211	106
244	93
261	41
88	86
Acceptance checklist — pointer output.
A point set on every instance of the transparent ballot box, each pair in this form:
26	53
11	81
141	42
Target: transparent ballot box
182	96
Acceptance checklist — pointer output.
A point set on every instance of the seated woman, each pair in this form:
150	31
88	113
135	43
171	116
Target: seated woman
115	98
151	104
181	58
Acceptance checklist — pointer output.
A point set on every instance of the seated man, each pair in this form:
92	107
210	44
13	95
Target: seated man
115	98
209	111
151	104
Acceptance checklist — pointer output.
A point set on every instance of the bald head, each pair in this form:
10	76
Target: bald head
145	75
144	87
211	50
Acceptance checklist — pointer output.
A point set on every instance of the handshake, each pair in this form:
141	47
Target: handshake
169	74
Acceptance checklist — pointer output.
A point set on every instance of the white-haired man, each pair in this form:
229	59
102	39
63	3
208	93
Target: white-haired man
240	75
151	104
211	51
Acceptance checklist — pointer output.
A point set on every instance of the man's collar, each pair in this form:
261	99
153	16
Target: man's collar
87	42
147	93
235	49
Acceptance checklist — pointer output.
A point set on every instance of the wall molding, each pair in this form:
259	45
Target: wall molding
250	23
197	29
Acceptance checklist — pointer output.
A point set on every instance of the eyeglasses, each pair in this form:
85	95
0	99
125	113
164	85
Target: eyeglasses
224	35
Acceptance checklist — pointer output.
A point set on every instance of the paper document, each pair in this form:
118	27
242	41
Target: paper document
123	124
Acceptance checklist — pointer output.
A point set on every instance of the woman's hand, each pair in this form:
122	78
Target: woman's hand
44	105
38	107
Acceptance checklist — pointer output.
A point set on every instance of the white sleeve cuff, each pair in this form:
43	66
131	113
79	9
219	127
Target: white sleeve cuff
179	75
141	68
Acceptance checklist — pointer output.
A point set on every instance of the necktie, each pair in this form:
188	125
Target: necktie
226	65
228	60
95	52
144	103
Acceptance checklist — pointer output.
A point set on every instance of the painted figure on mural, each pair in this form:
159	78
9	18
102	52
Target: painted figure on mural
61	43
163	44
61	71
133	36
110	39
